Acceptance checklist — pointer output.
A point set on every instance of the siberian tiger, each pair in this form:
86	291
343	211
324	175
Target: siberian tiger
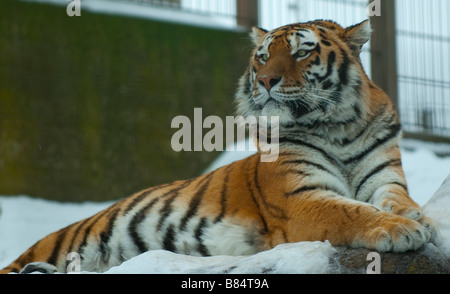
338	176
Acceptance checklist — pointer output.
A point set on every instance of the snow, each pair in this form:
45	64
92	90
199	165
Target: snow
304	257
135	9
24	220
438	207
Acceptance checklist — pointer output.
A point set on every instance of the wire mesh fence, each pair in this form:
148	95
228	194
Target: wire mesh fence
422	34
423	56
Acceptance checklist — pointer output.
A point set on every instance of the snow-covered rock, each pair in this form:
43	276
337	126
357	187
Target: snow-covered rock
438	208
298	258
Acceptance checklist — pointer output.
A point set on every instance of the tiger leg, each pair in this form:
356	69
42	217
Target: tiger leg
394	198
48	255
342	221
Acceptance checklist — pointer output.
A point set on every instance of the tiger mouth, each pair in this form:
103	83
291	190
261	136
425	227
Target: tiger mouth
297	109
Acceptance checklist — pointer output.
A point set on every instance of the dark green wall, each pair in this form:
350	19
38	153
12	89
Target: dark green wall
86	102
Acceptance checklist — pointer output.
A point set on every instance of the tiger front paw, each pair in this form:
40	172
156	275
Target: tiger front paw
415	213
397	234
409	210
432	228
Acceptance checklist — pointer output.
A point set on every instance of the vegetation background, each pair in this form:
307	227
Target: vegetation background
86	103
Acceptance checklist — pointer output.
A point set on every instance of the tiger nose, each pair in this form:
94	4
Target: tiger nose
269	82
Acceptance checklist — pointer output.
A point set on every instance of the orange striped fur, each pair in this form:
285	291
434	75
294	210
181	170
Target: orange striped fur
338	176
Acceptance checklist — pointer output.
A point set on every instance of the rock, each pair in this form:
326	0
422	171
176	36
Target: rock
427	260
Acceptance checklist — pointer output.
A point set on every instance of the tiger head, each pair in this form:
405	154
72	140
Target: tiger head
306	73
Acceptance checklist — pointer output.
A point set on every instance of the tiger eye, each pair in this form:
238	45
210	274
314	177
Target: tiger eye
301	53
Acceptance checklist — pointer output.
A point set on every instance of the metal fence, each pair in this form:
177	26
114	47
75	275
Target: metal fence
423	58
411	46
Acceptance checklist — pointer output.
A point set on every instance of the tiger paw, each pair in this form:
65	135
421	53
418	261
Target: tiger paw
397	234
432	228
39	267
415	213
411	211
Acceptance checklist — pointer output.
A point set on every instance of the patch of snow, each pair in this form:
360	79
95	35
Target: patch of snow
424	171
438	208
25	220
296	258
138	10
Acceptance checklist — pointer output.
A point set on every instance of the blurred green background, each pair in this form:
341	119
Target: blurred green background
86	102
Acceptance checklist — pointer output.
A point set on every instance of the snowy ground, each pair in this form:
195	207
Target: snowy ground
136	10
24	220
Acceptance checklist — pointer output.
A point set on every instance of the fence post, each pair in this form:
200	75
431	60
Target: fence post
383	48
247	13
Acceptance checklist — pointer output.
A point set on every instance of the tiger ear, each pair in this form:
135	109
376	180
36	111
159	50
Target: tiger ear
257	35
358	35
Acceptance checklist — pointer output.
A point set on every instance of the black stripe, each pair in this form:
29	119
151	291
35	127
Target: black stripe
336	96
394	131
365	128
313	188
195	202
199	231
166	210
223	195
87	232
318	49
169	239
316	61
331	60
298	172
307	162
56	252
301	190
343	69
378	169
143	195
399	184
136	200
274	210
247	83
134	224
77	231
325	42
27	257
121	253
318	149
348	141
105	250
252	195
357	88
327	85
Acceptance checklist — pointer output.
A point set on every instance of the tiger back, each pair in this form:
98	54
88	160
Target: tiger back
338	176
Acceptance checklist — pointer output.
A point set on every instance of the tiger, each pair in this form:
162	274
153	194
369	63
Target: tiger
338	175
